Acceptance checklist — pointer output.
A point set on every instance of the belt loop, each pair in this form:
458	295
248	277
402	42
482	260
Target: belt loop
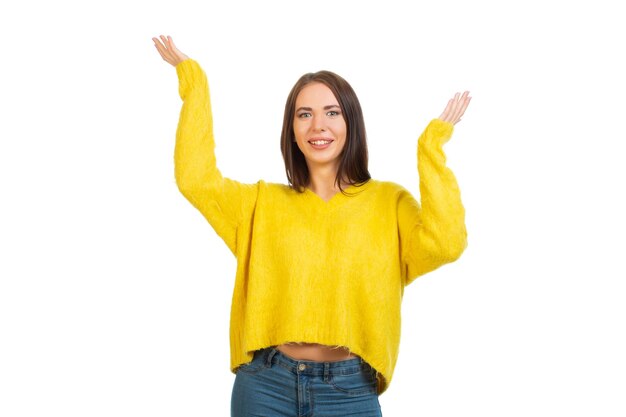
270	355
326	371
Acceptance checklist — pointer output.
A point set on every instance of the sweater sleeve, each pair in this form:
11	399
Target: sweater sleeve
434	233
224	202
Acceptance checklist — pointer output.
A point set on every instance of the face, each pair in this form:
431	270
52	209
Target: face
318	118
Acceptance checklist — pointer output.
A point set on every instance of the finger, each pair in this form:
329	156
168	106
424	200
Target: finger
157	43
171	41
166	45
159	46
179	55
458	108
462	109
164	50
175	52
455	108
464	105
444	116
171	53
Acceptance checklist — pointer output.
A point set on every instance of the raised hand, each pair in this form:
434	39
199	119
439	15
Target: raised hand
455	108
168	50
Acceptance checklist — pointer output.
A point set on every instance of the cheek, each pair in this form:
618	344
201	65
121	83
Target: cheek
298	130
341	129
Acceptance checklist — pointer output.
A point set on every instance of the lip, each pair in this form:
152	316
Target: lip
320	138
320	147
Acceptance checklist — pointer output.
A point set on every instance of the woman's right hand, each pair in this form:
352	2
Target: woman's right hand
168	50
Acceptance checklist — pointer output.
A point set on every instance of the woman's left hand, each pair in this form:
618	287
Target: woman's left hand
455	108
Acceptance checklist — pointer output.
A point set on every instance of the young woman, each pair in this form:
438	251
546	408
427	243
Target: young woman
322	262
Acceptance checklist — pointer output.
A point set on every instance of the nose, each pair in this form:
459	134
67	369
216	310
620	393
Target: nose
318	124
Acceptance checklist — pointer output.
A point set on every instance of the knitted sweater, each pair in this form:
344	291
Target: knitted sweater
309	270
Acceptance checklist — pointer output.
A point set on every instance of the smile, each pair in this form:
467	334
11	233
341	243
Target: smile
320	143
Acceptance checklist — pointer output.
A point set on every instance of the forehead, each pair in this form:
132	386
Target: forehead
316	93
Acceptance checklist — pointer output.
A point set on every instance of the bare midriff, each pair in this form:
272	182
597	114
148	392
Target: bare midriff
316	352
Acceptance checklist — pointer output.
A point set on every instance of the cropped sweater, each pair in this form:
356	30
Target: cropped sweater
309	270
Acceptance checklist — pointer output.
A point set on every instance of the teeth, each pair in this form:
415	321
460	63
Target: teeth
321	142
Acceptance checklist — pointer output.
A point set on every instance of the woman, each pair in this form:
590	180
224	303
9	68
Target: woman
315	314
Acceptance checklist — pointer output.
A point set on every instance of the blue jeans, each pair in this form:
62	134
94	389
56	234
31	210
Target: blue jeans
274	384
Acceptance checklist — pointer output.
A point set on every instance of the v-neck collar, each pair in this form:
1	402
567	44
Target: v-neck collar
339	198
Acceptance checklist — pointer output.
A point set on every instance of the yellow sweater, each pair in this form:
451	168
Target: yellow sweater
314	271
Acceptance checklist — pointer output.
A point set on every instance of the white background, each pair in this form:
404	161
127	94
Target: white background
115	292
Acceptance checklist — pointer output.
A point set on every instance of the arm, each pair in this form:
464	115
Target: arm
434	233
225	203
222	201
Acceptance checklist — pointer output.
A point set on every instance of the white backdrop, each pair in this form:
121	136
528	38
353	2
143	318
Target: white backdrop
115	292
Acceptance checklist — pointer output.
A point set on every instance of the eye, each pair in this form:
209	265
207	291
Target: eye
304	115
333	113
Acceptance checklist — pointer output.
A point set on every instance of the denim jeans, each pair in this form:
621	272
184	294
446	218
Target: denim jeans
274	384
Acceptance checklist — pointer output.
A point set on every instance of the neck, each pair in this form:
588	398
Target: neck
322	179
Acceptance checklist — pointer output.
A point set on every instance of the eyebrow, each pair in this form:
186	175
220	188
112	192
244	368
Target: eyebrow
325	107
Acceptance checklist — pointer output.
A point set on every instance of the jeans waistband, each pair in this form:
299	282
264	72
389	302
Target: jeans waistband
270	355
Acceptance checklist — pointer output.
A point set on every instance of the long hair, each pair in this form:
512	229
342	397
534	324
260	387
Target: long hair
353	157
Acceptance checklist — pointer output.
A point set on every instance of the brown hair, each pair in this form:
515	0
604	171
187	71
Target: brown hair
353	157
